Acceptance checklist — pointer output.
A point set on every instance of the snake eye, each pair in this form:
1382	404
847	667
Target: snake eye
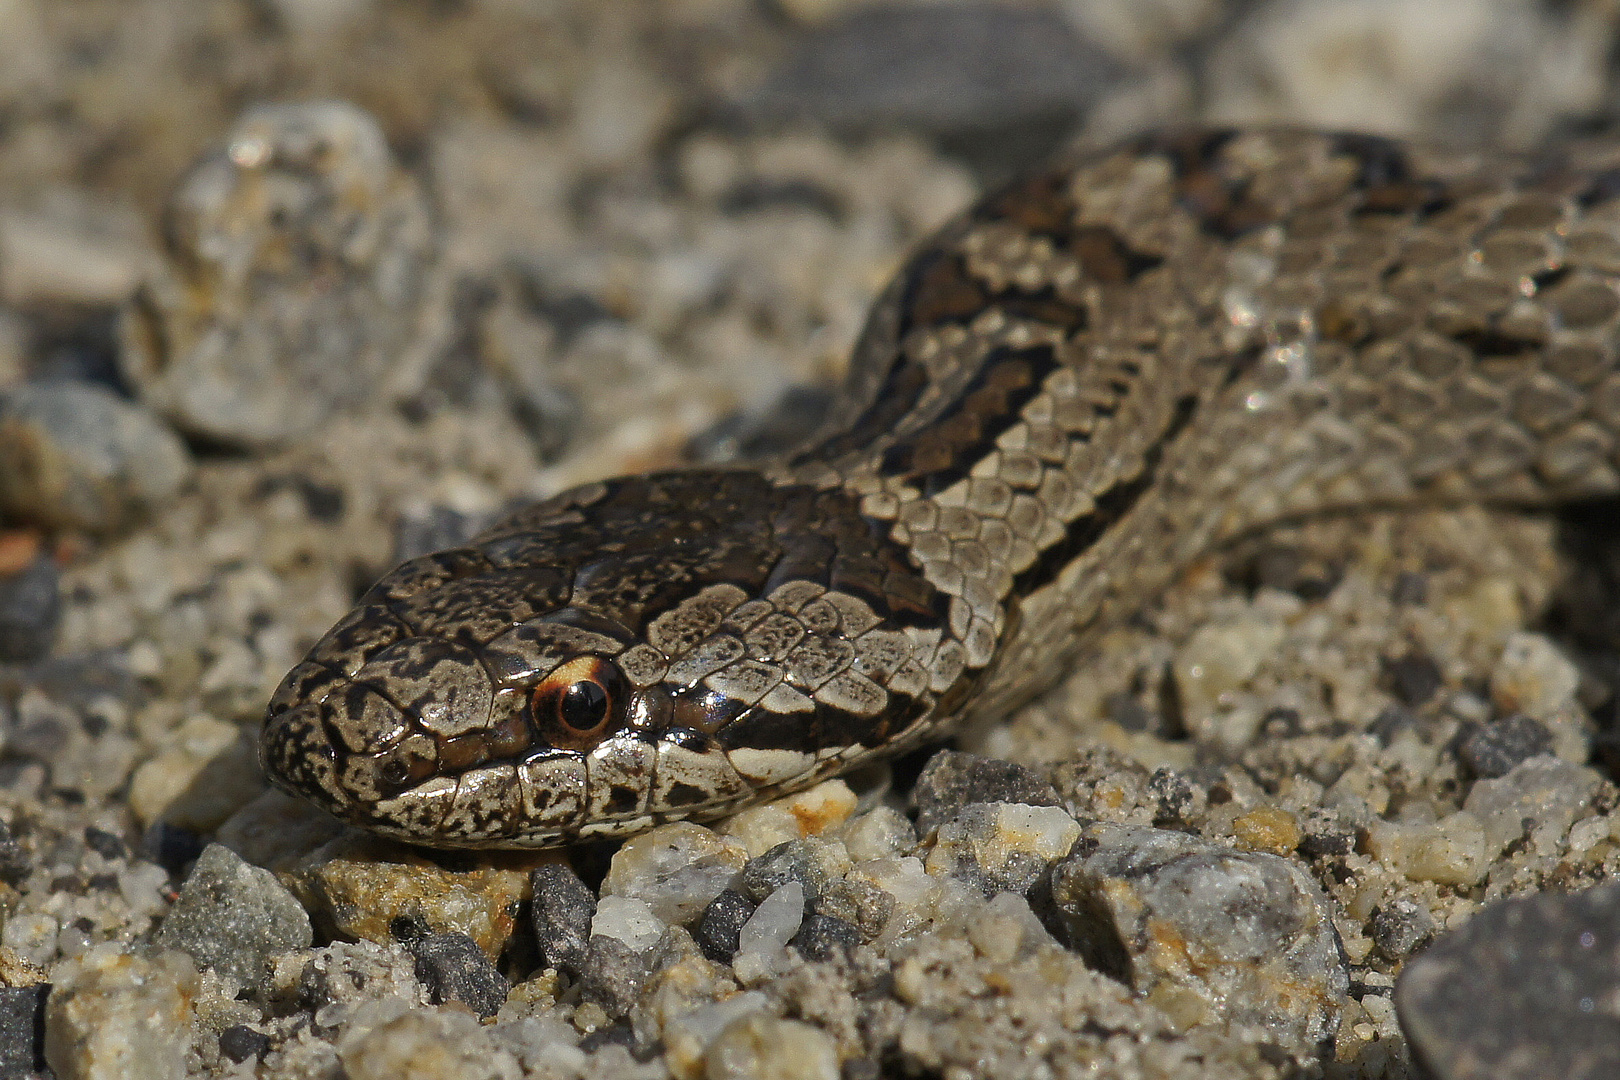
579	703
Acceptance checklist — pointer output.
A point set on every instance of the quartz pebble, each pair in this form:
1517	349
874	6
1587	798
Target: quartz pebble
114	1015
629	921
758	1047
676	869
73	455
231	917
1205	931
1539	798
774	922
238	340
1524	991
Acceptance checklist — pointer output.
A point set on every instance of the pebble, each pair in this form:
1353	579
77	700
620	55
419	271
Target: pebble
811	812
1493	749
76	456
675	869
1533	676
241	1043
1527	990
629	921
687	1037
719	932
952	780
812	862
362	887
30	609
1217	660
22	1029
881	833
1401	926
70	248
424	1046
561	911
1539	798
454	968
210	773
1450	851
117	1015
1206	932
956	68
231	917
1001	847
237	341
759	1047
773	924
824	937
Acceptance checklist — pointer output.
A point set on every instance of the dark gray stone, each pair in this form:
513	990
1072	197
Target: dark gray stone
240	1042
562	910
959	70
1401	926
823	937
1412	678
613	974
1492	750
1524	991
722	923
30	608
22	1030
952	780
232	917
454	968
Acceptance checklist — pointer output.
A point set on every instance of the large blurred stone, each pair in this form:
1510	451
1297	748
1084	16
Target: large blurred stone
1529	989
301	278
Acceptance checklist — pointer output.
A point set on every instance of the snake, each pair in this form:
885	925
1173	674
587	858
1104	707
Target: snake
1100	373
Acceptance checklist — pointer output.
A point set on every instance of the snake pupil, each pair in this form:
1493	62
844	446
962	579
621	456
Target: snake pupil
584	705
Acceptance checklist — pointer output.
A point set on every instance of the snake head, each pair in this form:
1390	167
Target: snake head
591	668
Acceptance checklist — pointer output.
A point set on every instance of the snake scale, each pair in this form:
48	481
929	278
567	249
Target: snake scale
1084	382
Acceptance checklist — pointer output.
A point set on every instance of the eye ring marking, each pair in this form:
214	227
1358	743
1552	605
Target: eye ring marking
580	703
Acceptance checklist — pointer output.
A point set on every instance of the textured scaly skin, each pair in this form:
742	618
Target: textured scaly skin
1082	384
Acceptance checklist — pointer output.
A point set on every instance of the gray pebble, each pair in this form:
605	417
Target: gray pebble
76	456
812	862
1524	991
722	922
822	937
1492	750
952	780
959	69
562	910
232	917
22	1029
1401	926
454	968
30	607
240	1042
613	974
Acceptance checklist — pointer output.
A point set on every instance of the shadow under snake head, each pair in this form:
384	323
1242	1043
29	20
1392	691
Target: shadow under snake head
669	646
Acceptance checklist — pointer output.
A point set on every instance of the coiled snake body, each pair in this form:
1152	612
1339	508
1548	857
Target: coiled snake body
1086	381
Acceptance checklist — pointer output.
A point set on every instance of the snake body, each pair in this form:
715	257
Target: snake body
1083	383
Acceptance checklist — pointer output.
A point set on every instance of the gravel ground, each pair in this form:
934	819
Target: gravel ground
293	289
